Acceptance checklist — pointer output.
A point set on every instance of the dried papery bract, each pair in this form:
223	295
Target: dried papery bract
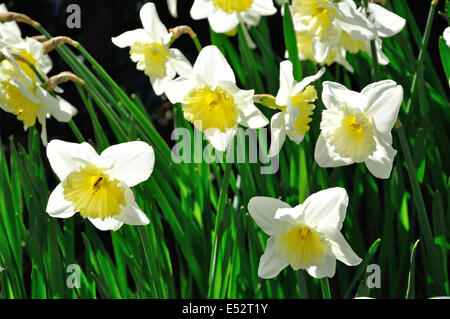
18	17
60	78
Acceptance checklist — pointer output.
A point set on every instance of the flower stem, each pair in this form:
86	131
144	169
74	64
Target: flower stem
325	288
419	67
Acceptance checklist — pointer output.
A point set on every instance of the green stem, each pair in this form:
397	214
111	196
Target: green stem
197	43
76	131
422	216
325	288
223	195
423	47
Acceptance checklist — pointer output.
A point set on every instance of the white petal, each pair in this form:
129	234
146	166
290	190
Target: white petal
270	265
263	210
320	49
201	9
222	22
336	94
384	101
218	139
57	206
106	224
249	115
151	22
133	162
296	138
128	38
299	87
160	85
325	157
172	4
290	215
212	67
131	214
386	22
177	89
354	22
65	157
286	82
381	161
59	108
277	133
326	208
341	249
326	269
263	7
179	62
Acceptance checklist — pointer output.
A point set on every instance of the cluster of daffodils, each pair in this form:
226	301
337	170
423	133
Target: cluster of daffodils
355	126
23	79
327	29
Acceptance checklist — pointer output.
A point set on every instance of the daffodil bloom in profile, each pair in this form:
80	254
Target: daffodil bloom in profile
296	100
172	5
98	186
328	23
225	15
148	48
22	92
212	101
307	236
356	126
385	24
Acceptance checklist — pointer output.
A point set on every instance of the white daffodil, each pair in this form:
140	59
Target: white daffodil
98	186
148	48
22	92
296	100
212	101
327	24
306	236
446	36
225	15
172	5
385	24
356	127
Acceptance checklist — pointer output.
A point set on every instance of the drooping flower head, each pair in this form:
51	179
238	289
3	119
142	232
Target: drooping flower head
21	89
98	186
225	15
148	48
356	127
297	100
306	236
212	101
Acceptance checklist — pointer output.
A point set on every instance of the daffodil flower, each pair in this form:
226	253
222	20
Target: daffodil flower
172	5
98	186
212	101
356	127
22	92
306	236
328	23
148	48
296	100
225	15
385	24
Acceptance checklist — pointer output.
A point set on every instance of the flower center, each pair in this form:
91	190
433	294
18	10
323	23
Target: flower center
304	102
150	57
210	108
93	193
231	6
20	106
349	132
315	14
303	246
